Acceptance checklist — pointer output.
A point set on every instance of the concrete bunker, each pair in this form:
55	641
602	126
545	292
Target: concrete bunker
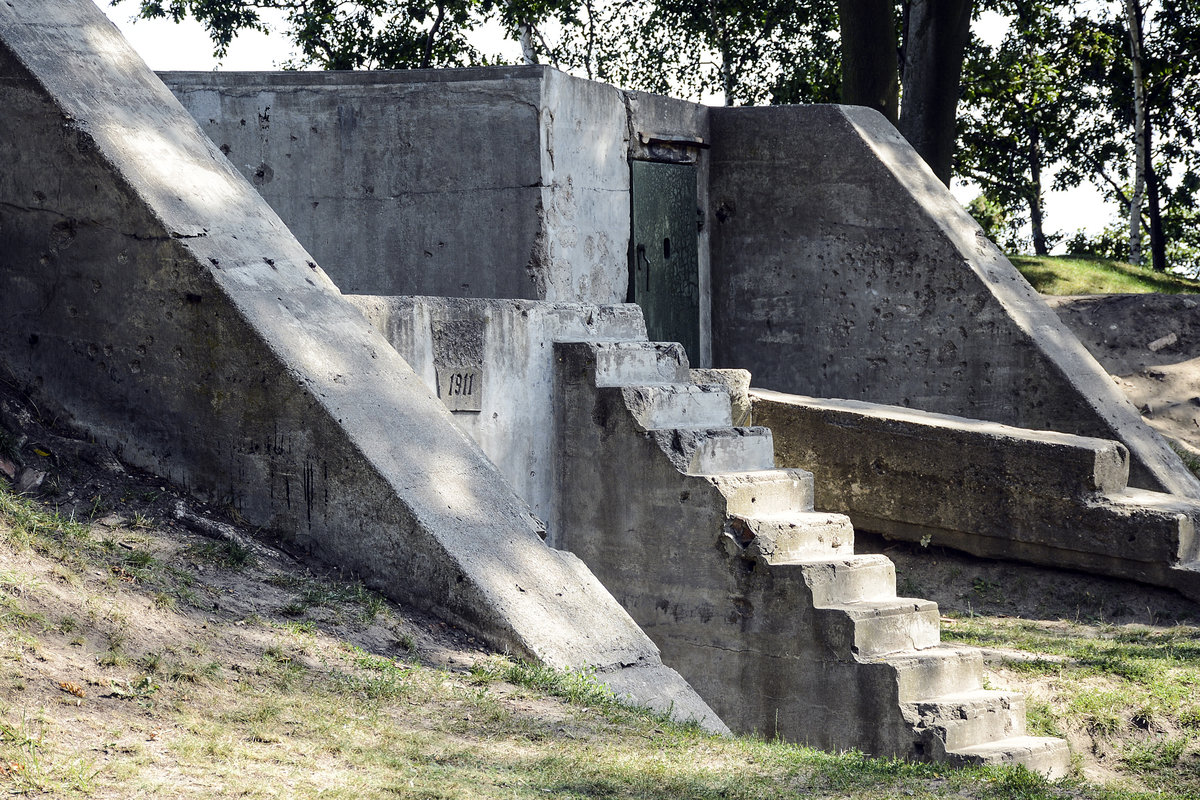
829	261
296	386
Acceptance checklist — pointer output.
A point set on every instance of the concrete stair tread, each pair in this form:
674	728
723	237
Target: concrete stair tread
852	561
970	697
895	606
1044	754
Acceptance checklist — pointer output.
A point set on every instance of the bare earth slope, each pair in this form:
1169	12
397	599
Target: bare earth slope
1150	344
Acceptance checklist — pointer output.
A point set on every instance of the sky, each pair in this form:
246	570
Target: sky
165	45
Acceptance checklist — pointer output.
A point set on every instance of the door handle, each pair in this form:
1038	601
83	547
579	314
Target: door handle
643	258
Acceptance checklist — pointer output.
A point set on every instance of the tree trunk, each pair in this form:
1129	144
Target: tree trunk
1158	245
1133	14
869	74
938	32
1036	221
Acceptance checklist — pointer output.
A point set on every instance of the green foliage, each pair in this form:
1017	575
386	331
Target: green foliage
994	218
745	51
347	34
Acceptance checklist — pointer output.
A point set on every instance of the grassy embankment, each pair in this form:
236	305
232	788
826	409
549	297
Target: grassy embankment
128	669
1066	275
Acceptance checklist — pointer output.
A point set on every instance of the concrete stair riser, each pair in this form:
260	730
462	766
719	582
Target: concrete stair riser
712	451
635	363
1043	754
970	719
803	536
870	629
676	406
849	580
935	672
766	492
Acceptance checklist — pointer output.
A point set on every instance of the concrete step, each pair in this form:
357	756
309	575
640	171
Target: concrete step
1185	577
795	539
679	405
870	628
969	718
766	492
639	363
1163	525
1041	754
710	451
936	671
851	580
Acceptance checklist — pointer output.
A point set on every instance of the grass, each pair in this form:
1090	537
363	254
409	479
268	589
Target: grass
1134	690
1069	275
265	705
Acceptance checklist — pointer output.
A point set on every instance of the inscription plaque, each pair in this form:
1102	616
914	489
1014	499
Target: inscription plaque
461	388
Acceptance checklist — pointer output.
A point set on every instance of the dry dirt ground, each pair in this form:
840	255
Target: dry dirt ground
1150	344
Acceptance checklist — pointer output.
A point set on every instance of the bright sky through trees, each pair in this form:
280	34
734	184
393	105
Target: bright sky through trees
165	45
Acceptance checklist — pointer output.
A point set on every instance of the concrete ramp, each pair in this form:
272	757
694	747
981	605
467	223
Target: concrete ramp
150	296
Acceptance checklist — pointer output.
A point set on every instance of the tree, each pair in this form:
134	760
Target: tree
1022	101
870	75
354	34
936	33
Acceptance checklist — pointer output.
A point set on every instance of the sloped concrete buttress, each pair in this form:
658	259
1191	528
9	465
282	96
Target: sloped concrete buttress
149	295
843	268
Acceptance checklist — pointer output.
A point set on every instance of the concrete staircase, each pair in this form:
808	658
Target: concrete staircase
757	599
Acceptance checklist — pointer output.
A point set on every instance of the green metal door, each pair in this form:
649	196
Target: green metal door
664	254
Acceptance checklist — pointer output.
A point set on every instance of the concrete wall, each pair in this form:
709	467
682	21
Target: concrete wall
843	268
511	343
389	178
985	488
504	182
149	296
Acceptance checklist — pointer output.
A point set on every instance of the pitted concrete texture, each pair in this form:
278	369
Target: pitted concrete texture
843	268
536	160
758	600
989	489
149	295
515	362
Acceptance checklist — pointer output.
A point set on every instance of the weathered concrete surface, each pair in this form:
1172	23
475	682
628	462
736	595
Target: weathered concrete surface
511	343
150	296
1150	344
366	168
754	597
989	489
498	182
843	268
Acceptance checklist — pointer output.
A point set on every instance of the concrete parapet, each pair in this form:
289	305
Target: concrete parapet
150	296
989	489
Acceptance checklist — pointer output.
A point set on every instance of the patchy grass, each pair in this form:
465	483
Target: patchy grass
1130	694
266	680
1068	275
